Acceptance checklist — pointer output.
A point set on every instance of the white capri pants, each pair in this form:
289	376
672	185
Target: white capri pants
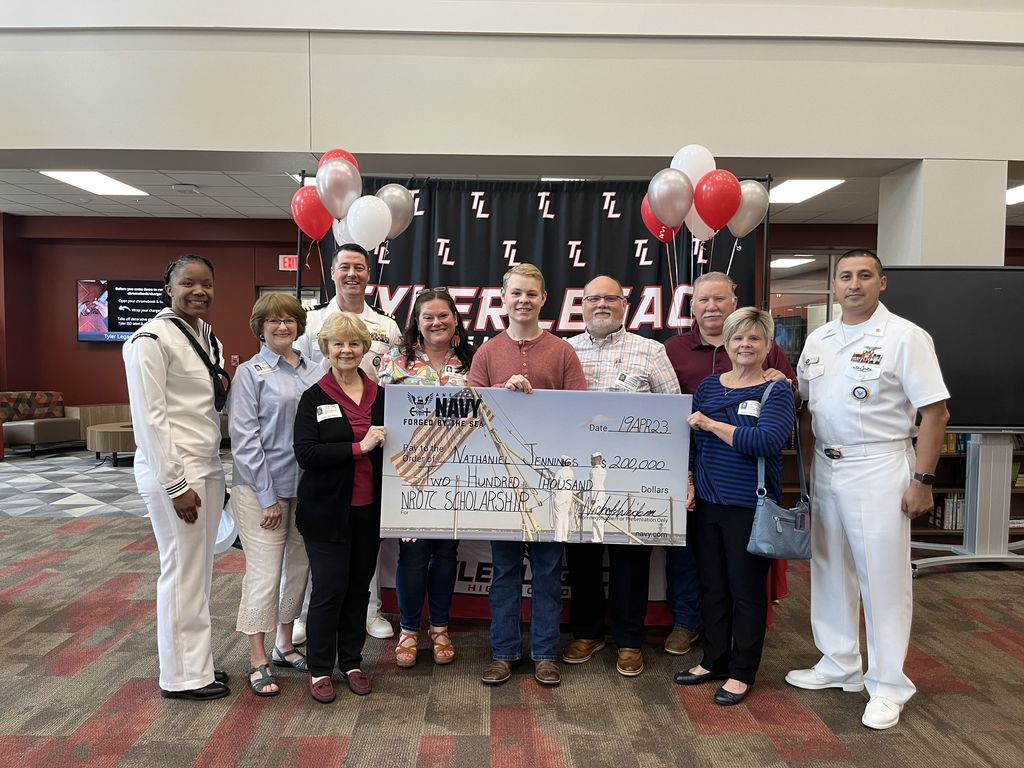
276	567
860	546
186	571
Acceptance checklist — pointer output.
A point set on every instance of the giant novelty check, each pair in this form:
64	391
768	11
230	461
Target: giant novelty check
483	463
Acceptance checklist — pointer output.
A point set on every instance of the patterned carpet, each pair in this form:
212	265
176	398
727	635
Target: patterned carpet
77	579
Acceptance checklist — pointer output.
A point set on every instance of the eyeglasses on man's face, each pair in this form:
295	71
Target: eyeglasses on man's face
607	298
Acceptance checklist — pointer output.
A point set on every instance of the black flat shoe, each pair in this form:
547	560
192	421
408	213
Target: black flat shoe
728	698
221	676
206	693
686	677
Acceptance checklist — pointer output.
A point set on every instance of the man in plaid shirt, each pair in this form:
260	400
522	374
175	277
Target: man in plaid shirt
613	360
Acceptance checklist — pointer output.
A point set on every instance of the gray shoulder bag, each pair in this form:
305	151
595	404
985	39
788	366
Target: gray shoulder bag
777	532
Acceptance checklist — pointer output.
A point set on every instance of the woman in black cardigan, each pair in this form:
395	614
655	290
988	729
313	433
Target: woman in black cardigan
337	436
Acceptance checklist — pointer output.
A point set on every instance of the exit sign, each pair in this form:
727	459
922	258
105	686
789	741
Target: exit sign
287	262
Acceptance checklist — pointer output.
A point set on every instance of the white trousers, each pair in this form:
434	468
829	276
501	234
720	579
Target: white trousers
860	545
186	571
276	566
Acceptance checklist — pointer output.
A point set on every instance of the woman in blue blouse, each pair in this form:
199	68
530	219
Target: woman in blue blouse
264	396
731	429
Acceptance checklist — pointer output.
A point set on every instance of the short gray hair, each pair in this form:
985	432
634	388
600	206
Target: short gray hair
709	277
749	317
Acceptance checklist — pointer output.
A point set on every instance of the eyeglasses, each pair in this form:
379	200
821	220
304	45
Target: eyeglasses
281	321
608	298
436	289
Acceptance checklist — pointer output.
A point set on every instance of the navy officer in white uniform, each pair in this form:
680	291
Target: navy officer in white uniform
179	472
350	271
866	376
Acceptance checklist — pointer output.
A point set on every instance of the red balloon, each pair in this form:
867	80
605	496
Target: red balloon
309	213
330	154
717	197
663	232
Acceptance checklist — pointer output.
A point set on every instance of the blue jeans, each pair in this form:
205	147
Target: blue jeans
505	599
425	567
682	587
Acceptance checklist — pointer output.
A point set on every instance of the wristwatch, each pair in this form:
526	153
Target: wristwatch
925	477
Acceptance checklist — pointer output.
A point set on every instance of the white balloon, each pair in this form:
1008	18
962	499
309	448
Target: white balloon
340	230
697	227
369	221
695	161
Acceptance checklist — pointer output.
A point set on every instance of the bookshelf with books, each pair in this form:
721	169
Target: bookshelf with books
947	520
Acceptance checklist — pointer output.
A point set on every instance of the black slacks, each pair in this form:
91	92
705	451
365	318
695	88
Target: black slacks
341	572
734	602
629	569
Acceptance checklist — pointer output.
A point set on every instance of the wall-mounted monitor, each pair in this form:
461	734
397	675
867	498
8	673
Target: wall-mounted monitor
111	310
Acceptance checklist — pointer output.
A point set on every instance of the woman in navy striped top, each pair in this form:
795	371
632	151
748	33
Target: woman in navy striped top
730	430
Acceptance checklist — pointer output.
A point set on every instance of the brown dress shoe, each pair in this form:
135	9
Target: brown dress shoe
497	672
679	641
579	651
322	690
358	682
631	662
547	673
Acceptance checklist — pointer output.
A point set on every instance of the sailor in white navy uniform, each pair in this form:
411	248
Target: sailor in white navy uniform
350	271
179	472
866	376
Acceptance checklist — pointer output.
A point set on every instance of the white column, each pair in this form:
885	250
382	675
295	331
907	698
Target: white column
943	212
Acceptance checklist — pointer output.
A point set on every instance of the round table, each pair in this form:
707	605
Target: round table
110	438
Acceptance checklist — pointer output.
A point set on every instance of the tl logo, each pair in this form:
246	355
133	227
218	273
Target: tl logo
609	205
478	205
545	201
510	252
416	210
444	250
575	252
640	254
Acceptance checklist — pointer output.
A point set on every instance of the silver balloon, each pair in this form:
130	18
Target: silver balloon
399	201
753	207
339	185
670	194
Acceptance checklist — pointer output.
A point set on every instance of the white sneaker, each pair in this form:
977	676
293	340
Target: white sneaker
298	632
881	713
813	681
380	627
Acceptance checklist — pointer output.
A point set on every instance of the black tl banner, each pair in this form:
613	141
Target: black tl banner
466	234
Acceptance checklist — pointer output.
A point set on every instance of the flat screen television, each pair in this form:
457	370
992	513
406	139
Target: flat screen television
973	315
111	310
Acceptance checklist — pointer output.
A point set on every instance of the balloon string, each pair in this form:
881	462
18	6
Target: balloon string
735	245
309	252
710	262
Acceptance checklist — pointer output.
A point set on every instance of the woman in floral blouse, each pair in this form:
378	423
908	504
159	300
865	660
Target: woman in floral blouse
435	352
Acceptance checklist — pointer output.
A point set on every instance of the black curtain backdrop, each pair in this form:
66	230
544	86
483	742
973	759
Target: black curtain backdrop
466	234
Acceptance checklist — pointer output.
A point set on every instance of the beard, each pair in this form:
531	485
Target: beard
602	326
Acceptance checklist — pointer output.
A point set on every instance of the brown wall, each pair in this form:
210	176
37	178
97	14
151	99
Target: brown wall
43	258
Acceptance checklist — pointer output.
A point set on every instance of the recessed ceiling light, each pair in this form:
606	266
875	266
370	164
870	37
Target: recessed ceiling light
559	178
95	182
798	190
1015	195
310	180
789	263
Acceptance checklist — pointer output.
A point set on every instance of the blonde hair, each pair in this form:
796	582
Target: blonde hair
523	270
276	305
343	327
749	317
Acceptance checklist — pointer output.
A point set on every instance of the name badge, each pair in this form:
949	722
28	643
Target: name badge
628	382
750	408
324	412
263	368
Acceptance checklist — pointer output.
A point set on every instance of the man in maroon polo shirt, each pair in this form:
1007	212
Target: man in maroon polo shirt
695	355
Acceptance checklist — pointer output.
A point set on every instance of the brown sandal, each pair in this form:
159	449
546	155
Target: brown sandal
444	650
406	650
